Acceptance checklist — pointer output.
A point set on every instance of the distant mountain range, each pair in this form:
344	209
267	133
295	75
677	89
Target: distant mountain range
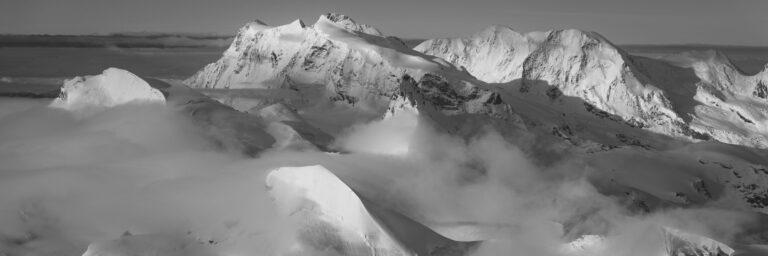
122	40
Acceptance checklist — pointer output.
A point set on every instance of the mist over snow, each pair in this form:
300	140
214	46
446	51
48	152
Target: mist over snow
334	139
144	169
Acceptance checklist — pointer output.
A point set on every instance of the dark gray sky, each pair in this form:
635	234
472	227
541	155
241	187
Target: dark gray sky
739	22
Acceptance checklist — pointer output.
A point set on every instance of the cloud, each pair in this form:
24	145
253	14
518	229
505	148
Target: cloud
391	136
135	168
66	182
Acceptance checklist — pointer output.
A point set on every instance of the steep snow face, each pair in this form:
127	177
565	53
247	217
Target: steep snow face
330	214
697	96
353	61
111	88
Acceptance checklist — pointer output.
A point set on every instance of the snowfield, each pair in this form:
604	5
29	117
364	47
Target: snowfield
335	139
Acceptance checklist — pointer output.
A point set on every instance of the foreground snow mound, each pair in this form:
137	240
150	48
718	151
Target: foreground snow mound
331	216
111	88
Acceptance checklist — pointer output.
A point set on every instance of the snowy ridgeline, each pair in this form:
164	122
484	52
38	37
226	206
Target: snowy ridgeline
692	129
698	96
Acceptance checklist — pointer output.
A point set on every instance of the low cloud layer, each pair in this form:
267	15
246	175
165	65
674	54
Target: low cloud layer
67	181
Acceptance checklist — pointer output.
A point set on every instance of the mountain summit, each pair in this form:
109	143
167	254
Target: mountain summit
352	61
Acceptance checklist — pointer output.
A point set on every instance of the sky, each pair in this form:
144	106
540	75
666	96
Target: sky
732	22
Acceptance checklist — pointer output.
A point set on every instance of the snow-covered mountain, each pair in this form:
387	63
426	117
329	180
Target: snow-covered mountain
582	71
557	95
353	61
700	96
548	92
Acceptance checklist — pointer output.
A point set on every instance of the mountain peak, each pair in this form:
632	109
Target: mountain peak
347	23
337	17
254	26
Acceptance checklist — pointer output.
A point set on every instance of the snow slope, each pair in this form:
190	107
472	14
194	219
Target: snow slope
333	219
